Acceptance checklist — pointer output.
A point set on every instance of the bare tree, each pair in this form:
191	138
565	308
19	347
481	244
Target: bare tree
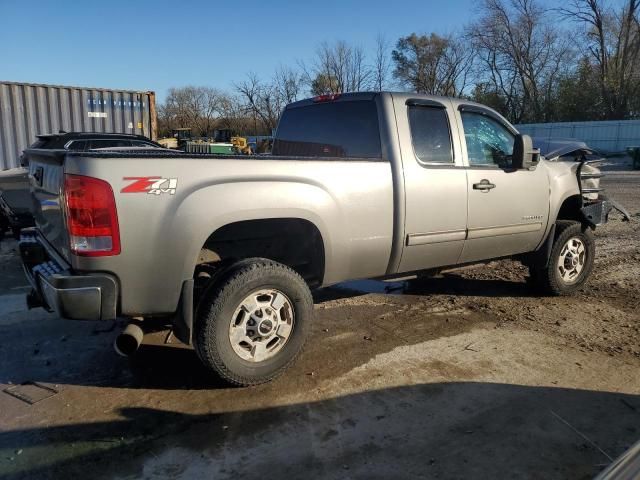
382	65
235	118
612	40
523	53
265	100
288	84
432	64
260	100
192	107
338	68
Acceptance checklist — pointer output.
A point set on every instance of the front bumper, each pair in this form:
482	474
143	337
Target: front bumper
56	288
597	212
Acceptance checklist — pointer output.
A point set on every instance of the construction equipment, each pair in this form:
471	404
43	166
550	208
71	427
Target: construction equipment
221	143
183	135
218	148
178	139
242	145
169	142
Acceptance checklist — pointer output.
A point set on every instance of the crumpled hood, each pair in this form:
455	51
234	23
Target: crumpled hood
552	148
573	150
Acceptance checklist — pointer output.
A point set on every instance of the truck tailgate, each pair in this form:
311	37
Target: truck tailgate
46	178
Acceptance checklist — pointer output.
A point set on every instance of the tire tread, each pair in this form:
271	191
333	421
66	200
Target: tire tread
545	278
217	296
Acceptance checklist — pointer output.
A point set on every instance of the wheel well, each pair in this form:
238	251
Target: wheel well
570	209
294	242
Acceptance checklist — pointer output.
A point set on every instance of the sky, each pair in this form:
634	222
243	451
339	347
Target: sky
145	45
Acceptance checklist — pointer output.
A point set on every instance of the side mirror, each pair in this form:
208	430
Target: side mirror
524	155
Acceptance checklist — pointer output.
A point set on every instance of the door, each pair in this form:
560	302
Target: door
508	209
435	183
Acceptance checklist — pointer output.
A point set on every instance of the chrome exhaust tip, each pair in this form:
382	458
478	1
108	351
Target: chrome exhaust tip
127	343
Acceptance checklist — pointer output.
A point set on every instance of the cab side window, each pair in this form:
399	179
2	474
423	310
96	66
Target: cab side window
430	134
108	143
489	143
77	145
143	144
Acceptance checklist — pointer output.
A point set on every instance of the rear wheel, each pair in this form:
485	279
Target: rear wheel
252	323
570	262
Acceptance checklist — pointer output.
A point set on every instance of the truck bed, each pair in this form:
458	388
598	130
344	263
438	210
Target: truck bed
349	201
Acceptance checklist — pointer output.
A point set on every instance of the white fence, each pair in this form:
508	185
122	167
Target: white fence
609	136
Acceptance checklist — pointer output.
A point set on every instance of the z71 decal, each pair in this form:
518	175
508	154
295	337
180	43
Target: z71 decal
150	185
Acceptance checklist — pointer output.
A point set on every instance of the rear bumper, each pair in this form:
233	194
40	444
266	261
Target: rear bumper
72	296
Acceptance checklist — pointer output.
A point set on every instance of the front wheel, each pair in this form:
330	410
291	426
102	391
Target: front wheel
570	262
252	323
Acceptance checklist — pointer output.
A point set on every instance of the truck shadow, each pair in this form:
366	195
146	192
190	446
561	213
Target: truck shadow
454	284
444	430
167	368
443	284
56	351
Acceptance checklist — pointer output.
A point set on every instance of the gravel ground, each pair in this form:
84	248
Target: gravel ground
464	375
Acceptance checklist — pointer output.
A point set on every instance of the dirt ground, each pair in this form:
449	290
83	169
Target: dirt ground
467	375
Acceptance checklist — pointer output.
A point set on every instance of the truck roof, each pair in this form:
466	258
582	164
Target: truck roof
370	95
89	134
407	96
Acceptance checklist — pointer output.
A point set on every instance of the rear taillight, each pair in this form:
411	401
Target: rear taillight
92	219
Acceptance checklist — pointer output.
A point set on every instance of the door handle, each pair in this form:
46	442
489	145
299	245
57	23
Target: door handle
484	185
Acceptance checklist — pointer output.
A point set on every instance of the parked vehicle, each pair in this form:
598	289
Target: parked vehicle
15	201
226	249
28	109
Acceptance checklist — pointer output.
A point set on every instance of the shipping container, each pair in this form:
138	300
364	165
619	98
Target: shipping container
27	110
606	136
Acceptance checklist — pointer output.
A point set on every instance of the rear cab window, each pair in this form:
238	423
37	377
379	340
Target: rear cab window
343	129
430	135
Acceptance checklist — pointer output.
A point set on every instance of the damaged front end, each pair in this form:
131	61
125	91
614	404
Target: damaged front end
595	205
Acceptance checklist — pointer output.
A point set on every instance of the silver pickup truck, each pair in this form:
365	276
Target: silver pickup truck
226	249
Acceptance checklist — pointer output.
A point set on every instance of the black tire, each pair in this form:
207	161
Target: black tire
548	279
216	309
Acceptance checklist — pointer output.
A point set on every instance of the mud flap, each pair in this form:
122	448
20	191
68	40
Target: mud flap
183	320
540	258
